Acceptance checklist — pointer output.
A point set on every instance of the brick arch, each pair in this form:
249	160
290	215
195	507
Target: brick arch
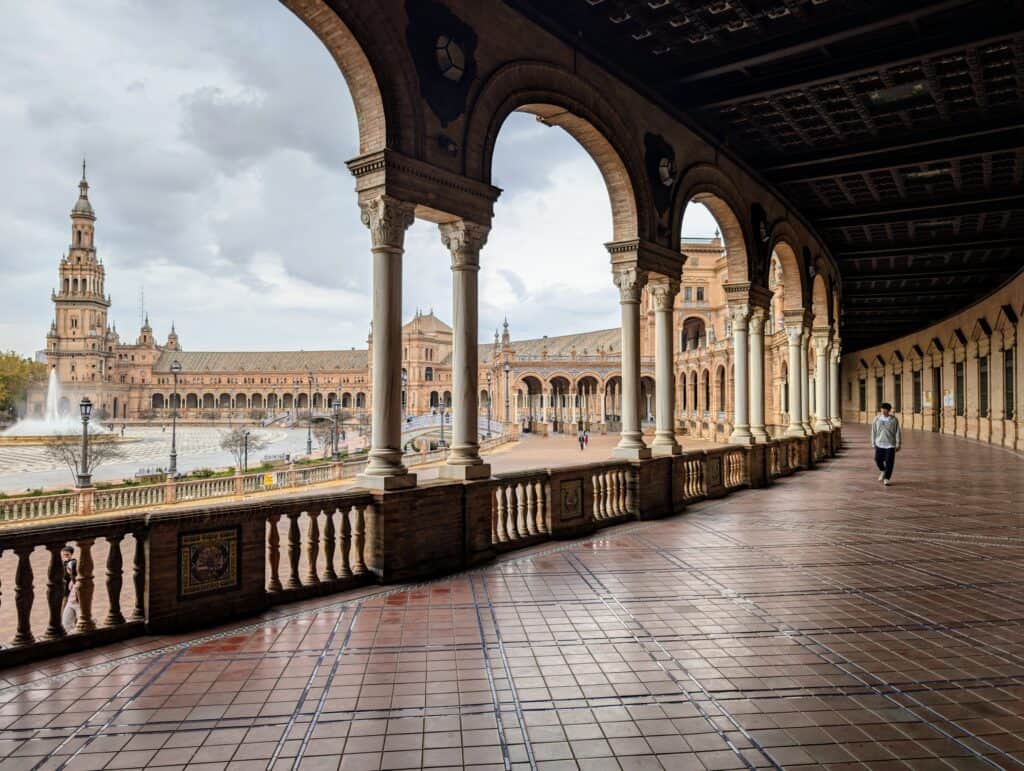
564	99
793	272
821	305
708	185
379	74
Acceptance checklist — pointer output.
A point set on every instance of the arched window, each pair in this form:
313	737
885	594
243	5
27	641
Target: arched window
428	374
78	238
707	392
694	405
721	389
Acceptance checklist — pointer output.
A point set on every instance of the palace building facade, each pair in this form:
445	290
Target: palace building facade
552	383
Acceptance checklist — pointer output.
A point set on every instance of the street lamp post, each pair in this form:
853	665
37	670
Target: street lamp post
84	477
508	369
336	408
489	397
245	452
175	371
309	423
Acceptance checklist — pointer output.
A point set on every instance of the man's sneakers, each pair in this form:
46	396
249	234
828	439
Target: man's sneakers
881	476
885	482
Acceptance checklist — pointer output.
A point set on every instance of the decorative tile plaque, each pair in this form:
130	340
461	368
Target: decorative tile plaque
208	562
572	498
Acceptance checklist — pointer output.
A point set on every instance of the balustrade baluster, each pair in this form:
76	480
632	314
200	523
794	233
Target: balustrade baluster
115	578
139	576
294	549
359	540
598	492
24	594
624	492
85	587
498	513
542	523
345	542
328	547
510	509
274	553
629	483
54	592
521	518
612	494
312	547
531	511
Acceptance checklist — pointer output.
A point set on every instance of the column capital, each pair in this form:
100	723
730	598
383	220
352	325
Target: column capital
464	239
739	313
821	343
630	280
794	333
387	218
663	291
758	317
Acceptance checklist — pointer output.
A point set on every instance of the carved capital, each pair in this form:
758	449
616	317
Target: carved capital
630	280
794	333
663	292
464	240
758	317
739	316
388	219
821	343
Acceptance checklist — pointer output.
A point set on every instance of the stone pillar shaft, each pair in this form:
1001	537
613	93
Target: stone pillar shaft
387	219
805	382
465	240
740	315
793	337
757	427
663	297
835	411
630	281
821	382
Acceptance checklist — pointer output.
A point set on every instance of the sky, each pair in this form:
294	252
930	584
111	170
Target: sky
216	136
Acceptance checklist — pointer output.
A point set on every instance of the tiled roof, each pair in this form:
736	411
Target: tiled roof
264	361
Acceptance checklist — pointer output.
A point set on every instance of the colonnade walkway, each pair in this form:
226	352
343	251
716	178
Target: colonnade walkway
824	620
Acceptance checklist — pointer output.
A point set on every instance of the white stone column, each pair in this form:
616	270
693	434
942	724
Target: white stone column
758	316
630	281
465	240
740	315
604	402
805	382
794	334
821	378
663	294
387	219
834	396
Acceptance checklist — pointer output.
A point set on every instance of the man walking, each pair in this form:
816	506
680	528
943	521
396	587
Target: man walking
885	438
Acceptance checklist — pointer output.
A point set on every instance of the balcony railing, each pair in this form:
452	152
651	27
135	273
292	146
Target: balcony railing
169	569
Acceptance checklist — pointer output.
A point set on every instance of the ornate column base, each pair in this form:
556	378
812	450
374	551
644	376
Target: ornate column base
465	473
796	430
667	447
390	482
632	453
822	425
741	435
759	434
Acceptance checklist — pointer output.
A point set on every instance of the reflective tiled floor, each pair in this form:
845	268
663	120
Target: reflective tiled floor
826	621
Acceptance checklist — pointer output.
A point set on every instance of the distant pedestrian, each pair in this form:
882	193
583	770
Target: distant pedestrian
886	438
580	439
586	438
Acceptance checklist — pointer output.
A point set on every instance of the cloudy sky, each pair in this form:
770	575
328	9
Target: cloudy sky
216	135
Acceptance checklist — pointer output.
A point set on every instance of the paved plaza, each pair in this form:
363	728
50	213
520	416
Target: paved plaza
824	621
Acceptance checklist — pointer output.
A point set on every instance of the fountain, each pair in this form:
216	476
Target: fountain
36	430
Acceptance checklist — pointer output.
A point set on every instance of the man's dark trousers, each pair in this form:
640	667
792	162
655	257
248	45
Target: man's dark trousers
885	458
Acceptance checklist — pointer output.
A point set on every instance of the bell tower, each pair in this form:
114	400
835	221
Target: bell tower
77	342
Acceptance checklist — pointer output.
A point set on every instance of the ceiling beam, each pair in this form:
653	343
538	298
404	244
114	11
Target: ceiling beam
955	144
947	209
1012	241
985	29
841	29
929	274
865	296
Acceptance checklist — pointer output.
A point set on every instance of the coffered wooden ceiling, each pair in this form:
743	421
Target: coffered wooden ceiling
895	128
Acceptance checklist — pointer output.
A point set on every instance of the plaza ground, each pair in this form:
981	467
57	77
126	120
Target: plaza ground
824	621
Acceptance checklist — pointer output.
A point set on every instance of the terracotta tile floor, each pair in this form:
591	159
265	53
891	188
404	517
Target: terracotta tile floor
825	621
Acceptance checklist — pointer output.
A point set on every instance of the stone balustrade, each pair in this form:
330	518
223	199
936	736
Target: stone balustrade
98	500
206	563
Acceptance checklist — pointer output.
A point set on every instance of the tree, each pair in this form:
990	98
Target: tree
68	450
234	441
17	374
324	433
